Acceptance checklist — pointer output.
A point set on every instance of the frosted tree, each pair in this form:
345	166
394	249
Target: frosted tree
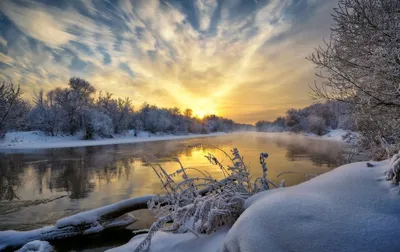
46	115
13	109
360	65
73	101
119	110
316	125
96	123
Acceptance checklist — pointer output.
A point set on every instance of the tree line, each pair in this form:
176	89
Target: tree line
78	108
318	118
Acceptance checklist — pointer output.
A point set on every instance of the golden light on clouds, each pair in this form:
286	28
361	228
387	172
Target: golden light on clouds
243	60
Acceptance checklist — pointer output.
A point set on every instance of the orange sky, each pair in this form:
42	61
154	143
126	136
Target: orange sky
240	59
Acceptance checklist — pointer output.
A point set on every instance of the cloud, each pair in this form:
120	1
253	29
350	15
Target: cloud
238	58
37	23
205	10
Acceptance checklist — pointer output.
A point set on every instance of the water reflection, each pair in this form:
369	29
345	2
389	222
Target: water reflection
33	185
318	151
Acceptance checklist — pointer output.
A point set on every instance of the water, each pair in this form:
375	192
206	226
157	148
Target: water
43	186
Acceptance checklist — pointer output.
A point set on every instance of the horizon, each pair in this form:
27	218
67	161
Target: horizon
243	60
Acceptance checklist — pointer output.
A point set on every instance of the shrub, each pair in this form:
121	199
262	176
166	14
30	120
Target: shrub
202	204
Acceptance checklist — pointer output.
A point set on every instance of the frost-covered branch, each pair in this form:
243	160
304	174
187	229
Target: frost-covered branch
393	173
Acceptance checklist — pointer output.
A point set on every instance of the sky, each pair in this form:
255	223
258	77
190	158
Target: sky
241	59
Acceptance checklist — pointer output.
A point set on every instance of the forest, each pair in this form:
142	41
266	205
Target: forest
78	108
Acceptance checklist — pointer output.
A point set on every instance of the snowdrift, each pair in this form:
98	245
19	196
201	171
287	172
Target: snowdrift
352	208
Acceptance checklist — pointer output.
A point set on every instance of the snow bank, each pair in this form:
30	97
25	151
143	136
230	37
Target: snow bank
342	135
38	140
178	242
352	208
36	246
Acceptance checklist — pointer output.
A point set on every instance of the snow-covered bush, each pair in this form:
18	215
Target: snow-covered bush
393	172
202	205
97	123
316	125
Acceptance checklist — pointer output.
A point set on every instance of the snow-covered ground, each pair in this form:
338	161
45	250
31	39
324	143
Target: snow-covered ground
341	135
38	140
352	208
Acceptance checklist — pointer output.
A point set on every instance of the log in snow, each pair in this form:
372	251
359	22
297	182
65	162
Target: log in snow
88	222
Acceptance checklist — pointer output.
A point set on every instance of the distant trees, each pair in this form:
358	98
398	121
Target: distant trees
360	66
76	109
119	110
13	109
317	119
46	113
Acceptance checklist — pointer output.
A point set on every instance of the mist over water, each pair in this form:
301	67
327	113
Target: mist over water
43	186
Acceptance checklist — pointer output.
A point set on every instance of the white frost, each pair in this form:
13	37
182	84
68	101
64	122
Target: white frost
36	246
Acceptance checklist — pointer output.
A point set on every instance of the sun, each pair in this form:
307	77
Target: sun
200	113
204	110
202	107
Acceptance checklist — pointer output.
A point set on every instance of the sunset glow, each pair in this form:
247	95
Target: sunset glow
240	59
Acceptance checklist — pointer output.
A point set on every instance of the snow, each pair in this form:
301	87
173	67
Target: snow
338	134
36	246
163	241
352	208
38	140
92	216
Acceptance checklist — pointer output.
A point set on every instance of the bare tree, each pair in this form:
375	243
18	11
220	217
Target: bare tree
73	100
360	64
46	115
13	109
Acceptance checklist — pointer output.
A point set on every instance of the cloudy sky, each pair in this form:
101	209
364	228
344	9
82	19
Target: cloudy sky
242	59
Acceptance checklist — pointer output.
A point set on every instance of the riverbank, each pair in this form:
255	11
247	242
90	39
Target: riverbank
351	208
39	140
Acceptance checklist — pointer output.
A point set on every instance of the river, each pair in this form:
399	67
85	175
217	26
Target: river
41	186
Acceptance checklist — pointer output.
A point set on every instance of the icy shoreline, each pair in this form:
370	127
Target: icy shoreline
28	140
38	140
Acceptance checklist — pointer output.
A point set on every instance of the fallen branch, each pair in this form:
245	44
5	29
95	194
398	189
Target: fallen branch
85	223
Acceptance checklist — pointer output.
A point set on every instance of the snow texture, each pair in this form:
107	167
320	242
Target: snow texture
36	246
163	241
352	208
38	140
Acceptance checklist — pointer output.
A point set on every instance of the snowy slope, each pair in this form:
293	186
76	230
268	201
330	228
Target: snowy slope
352	208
